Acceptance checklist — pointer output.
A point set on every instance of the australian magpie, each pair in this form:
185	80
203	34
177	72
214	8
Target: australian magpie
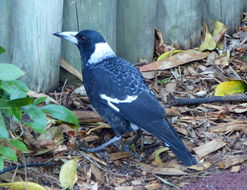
119	94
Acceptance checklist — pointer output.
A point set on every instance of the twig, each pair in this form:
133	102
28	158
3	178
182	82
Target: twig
45	164
214	99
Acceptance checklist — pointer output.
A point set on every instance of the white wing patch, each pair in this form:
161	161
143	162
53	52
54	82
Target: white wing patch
102	51
134	126
110	101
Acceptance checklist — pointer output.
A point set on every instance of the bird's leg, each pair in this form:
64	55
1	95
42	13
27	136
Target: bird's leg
126	148
138	136
102	146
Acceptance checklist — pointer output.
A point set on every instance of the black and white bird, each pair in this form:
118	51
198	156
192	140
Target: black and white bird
119	94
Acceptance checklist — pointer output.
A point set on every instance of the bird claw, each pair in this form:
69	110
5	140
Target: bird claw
102	146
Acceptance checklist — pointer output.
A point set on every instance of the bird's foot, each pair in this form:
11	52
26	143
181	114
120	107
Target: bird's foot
102	146
126	148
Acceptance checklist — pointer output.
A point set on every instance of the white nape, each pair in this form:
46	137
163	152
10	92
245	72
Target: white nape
134	126
102	51
110	101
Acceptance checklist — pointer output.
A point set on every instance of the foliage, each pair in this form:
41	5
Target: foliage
2	50
18	110
230	87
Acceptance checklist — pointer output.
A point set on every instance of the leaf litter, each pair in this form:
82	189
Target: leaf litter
214	132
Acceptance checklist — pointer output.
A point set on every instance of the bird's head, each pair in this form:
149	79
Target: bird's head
92	46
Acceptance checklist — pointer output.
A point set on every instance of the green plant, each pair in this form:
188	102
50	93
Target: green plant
17	109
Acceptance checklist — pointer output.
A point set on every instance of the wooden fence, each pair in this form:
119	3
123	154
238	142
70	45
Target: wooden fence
26	28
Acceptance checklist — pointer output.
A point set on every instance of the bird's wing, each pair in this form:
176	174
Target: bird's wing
121	87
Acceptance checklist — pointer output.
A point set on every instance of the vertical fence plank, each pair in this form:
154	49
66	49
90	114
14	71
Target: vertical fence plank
135	29
245	5
227	11
5	30
34	47
79	15
180	22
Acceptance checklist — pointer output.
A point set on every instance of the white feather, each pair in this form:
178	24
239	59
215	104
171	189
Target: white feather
101	52
110	100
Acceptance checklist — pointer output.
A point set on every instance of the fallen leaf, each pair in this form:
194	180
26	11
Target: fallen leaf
81	91
230	87
119	155
209	42
51	138
150	74
168	53
124	188
175	60
219	30
152	186
209	147
156	154
235	168
228	127
65	65
88	116
99	176
90	138
101	125
68	174
240	108
201	166
160	170
231	161
223	60
39	95
22	185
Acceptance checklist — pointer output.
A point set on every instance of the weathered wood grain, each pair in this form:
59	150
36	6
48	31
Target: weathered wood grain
135	29
34	48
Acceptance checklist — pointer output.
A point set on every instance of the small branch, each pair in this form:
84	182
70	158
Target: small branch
214	99
45	164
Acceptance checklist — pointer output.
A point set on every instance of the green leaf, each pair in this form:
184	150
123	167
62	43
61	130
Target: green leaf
21	102
38	118
4	103
230	87
37	127
15	89
18	145
39	100
168	53
4	134
208	43
2	50
1	163
8	153
61	113
7	112
17	112
10	72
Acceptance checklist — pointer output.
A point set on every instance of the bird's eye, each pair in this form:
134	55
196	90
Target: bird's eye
83	38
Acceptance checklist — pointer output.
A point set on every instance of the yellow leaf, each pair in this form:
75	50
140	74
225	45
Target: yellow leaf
167	54
219	30
208	42
218	27
230	87
68	174
22	185
156	154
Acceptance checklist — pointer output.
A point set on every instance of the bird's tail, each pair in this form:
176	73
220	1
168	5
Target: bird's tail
163	130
